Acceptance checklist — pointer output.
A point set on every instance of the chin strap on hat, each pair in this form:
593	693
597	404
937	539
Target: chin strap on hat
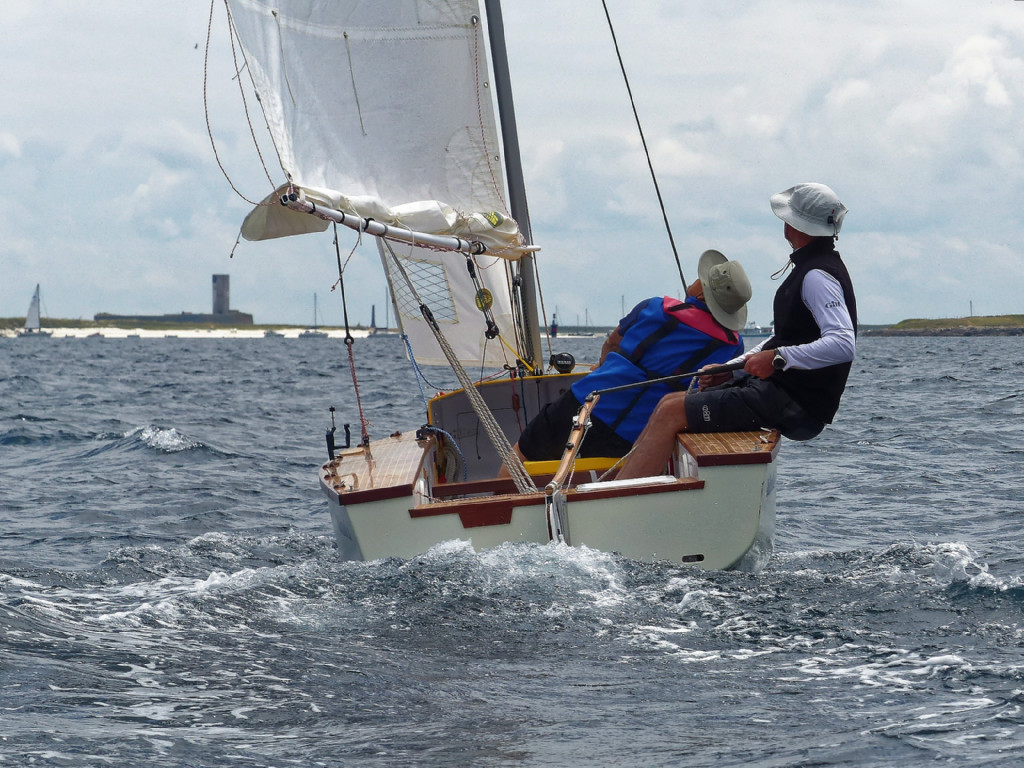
835	225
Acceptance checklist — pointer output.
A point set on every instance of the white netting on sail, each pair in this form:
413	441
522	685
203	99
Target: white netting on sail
403	283
442	280
430	281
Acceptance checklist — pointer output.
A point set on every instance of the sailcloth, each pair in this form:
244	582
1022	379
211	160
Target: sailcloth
384	109
33	321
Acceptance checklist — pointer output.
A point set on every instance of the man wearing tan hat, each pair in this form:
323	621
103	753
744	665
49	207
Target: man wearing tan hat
660	337
792	381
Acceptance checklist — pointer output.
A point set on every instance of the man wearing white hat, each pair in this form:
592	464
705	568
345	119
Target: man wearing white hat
660	337
792	381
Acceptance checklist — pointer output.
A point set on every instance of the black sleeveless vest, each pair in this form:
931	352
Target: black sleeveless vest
820	390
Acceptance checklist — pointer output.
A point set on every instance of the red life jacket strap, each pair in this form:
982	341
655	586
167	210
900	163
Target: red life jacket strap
695	317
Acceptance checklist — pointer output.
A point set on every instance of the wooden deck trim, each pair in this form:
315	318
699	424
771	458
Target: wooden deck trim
480	511
493	485
722	449
499	485
681	484
388	470
371	494
483	511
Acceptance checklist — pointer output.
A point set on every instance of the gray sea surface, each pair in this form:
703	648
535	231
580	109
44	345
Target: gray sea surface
170	594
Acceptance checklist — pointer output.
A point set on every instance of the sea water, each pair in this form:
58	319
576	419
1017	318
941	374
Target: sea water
170	594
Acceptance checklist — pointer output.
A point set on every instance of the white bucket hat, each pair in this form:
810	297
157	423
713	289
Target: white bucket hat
726	289
813	209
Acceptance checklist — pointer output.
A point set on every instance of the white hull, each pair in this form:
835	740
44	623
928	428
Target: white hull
717	511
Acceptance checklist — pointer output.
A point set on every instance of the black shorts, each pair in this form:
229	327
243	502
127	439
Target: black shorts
747	403
546	435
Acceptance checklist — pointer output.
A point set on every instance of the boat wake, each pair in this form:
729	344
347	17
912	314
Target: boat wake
289	633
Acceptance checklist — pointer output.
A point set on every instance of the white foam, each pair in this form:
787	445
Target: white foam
168	440
954	562
14	581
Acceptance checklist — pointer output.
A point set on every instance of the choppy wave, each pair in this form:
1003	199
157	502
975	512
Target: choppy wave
269	632
162	440
169	602
166	440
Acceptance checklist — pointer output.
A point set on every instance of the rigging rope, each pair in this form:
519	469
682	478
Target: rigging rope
543	311
245	104
420	378
364	424
518	473
643	141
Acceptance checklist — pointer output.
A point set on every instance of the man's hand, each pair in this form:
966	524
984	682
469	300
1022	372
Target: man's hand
760	364
703	382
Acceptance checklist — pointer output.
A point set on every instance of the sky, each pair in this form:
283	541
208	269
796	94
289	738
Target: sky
912	110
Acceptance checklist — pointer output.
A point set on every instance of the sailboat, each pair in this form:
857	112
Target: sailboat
33	320
313	333
385	118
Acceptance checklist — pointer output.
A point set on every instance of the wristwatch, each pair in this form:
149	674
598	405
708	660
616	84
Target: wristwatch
778	362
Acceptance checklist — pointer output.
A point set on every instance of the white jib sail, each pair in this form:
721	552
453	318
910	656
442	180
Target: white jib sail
385	109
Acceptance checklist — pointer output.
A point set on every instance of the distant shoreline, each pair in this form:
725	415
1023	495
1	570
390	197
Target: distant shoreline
107	332
949	331
984	325
994	325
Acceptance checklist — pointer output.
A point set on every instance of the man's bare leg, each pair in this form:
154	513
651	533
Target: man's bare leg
654	446
503	470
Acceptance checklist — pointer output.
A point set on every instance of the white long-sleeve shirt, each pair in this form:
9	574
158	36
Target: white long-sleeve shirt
823	296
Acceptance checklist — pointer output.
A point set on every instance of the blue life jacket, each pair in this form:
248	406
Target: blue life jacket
668	337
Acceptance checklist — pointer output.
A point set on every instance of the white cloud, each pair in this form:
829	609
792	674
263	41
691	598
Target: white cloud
9	145
911	110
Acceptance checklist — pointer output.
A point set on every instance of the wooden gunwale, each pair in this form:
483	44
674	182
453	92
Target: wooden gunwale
390	467
479	511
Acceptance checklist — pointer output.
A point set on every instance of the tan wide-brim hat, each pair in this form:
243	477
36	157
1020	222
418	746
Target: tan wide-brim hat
726	289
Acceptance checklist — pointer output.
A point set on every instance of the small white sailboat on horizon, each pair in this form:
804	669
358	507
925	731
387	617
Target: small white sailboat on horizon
33	319
313	333
401	142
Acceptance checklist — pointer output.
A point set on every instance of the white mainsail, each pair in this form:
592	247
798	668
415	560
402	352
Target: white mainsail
33	321
385	110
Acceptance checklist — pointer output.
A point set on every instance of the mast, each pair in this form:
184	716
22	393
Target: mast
516	185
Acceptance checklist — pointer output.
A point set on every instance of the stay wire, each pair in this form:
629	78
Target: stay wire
643	141
341	285
364	424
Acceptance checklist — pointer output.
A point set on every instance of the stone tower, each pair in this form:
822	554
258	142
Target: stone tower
221	294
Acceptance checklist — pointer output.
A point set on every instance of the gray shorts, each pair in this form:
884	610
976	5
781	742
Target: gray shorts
747	403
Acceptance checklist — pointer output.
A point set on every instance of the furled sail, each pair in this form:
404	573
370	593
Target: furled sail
385	110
